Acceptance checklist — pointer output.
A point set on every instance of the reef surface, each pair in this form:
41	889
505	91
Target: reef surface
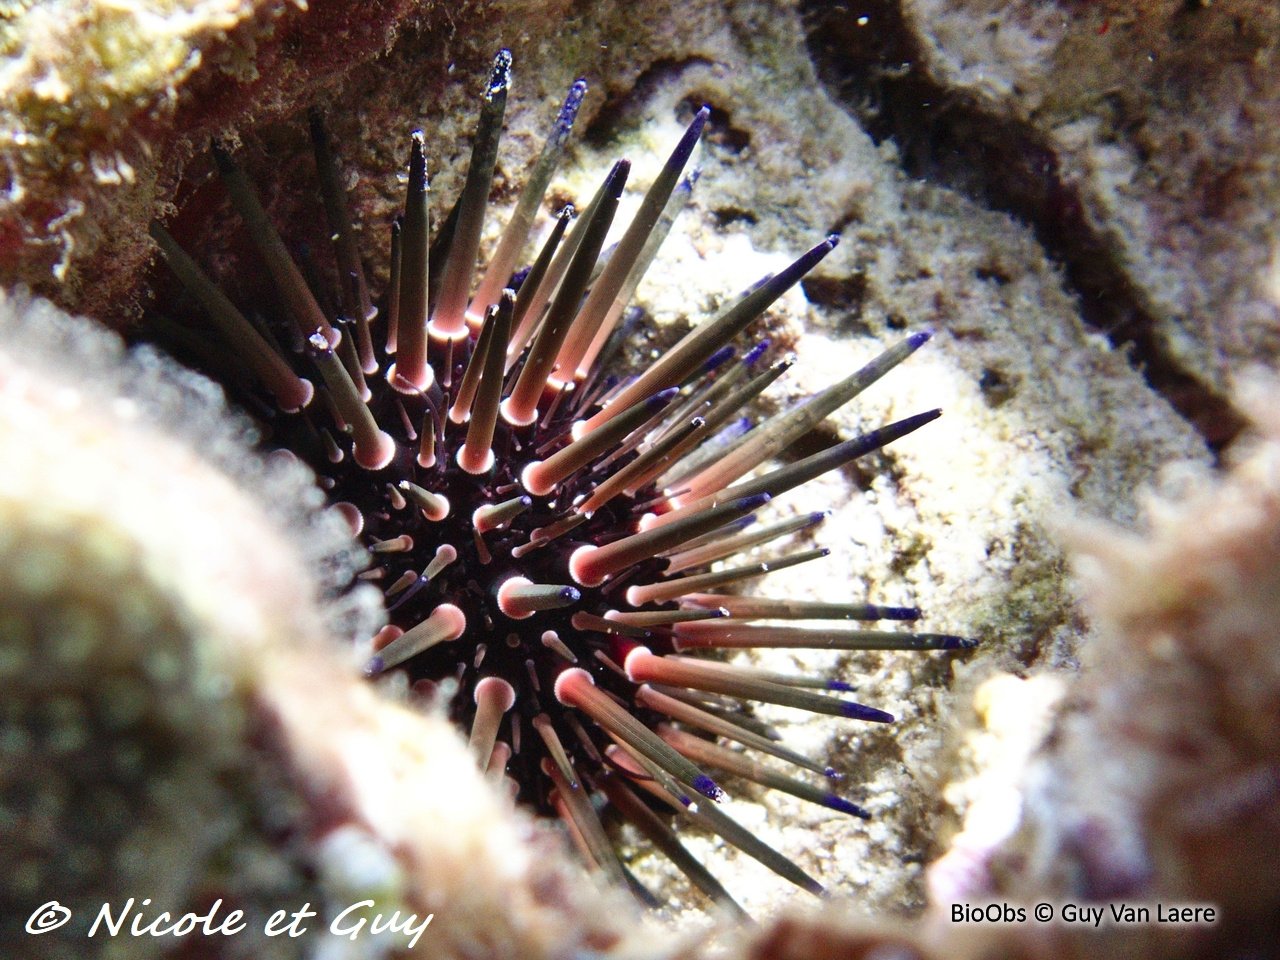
1047	414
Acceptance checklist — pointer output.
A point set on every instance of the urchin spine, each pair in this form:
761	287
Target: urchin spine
547	532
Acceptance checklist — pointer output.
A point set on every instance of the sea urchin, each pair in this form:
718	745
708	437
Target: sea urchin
544	531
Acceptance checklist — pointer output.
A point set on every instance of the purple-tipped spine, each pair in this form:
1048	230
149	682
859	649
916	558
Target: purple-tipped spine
409	593
568	114
894	613
919	338
617	179
707	787
684	149
883	436
755	353
500	75
858	711
662	398
732	432
844	806
780	283
719	358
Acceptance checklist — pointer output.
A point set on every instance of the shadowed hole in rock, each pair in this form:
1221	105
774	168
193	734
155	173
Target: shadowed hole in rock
867	57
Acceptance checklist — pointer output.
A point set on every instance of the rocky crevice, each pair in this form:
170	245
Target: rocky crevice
869	60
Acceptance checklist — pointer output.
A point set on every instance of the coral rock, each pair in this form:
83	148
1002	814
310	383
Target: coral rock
1161	782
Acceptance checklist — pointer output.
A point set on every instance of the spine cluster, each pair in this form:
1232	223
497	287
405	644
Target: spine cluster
552	538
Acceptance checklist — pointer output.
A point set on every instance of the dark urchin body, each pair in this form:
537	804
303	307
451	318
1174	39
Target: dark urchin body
547	570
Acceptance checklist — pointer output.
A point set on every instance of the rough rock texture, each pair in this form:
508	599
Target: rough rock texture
1017	717
1137	138
101	104
1041	413
1158	783
1162	778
